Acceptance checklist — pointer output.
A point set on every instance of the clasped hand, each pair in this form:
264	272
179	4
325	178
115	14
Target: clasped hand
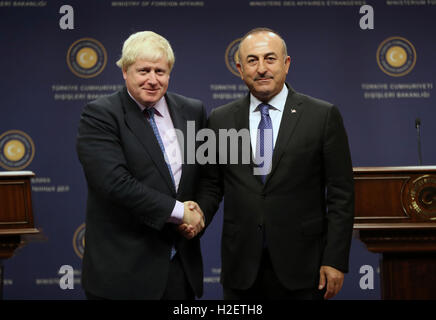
193	220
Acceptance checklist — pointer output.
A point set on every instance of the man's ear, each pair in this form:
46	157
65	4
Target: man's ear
124	73
239	66
287	63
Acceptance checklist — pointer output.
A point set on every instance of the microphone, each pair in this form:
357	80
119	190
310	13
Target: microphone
418	132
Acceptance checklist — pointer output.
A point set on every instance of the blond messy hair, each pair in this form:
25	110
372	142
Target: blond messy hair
145	45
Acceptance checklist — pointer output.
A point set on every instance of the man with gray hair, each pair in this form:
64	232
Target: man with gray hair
140	235
286	229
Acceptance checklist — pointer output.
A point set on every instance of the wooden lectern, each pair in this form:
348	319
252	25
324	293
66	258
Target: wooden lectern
395	214
16	215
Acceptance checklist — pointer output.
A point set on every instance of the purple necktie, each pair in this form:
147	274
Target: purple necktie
265	142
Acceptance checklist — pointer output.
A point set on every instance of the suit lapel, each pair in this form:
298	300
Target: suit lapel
141	128
291	113
242	114
242	121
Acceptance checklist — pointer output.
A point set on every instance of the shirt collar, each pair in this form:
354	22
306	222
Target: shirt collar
277	102
160	106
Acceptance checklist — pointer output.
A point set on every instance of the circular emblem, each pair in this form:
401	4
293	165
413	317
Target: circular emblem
396	56
79	241
86	58
420	197
16	150
231	56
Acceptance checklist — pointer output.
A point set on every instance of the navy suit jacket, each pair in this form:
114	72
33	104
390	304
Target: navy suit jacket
304	210
130	198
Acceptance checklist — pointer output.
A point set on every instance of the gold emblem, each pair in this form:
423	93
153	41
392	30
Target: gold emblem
86	58
79	240
16	150
420	196
231	56
396	56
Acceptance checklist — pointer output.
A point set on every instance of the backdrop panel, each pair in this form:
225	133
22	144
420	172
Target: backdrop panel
381	79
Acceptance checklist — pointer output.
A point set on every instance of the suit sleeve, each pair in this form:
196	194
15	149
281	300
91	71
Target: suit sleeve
338	177
100	151
210	191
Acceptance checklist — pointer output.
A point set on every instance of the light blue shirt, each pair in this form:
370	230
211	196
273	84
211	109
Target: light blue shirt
275	113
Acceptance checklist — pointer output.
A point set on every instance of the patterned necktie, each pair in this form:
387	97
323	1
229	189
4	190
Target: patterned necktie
265	142
150	112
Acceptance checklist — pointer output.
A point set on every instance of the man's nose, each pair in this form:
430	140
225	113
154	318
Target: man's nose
152	79
261	67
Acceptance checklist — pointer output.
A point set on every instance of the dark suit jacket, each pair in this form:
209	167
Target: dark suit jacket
306	206
130	198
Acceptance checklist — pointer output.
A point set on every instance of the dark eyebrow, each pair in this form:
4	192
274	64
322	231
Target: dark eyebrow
270	54
265	55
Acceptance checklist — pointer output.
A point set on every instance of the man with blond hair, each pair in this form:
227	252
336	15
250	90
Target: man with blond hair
138	186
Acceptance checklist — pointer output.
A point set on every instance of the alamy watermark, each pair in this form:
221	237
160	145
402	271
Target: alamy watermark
227	146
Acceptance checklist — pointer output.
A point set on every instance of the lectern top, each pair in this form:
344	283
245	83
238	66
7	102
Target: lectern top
417	169
16	174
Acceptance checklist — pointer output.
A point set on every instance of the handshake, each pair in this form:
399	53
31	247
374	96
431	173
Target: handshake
193	220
